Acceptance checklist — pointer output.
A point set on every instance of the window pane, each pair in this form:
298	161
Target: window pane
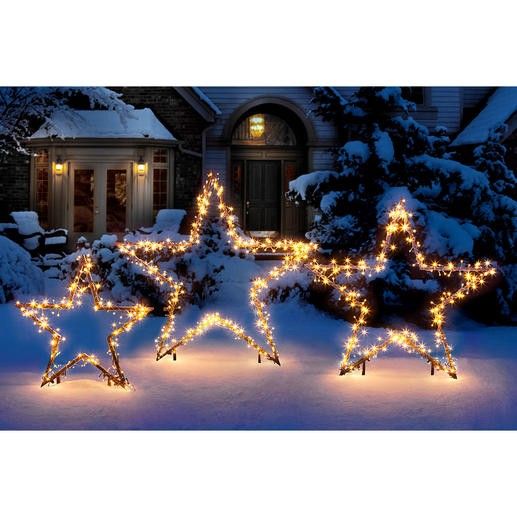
160	156
83	200
116	200
159	189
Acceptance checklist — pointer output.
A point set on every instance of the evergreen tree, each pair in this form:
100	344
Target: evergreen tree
490	159
386	155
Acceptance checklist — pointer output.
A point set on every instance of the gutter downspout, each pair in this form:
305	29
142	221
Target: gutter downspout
189	152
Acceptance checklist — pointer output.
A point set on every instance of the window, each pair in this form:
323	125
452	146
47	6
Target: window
413	93
41	186
116	200
160	177
83	200
264	129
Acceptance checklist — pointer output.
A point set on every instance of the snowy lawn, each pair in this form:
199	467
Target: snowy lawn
216	382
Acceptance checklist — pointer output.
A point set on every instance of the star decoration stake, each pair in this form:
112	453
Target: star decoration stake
79	285
147	254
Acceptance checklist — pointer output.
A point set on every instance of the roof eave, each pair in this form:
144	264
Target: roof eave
101	142
203	109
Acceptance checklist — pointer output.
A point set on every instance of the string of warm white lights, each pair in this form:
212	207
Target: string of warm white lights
297	255
471	277
146	254
212	187
81	283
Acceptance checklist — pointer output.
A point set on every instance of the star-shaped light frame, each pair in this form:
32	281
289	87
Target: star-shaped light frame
147	254
471	276
81	283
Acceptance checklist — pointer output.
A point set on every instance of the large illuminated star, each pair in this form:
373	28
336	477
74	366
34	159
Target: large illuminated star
469	277
148	255
79	285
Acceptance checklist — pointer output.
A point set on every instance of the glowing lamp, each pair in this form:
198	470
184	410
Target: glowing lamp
140	166
58	166
257	126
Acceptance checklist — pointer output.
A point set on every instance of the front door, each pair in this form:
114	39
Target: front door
263	180
99	200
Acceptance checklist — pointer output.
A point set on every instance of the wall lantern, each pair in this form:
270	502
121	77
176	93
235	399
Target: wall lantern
58	166
257	126
140	166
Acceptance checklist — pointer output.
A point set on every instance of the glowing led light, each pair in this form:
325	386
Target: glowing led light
298	255
81	283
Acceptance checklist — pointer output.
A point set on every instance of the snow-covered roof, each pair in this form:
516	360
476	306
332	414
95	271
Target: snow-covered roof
207	100
499	108
139	123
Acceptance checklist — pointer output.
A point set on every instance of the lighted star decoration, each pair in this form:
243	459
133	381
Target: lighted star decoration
470	277
81	283
148	254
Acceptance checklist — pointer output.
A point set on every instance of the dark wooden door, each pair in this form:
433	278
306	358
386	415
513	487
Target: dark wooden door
294	213
263	195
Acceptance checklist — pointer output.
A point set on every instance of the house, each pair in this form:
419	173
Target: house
100	175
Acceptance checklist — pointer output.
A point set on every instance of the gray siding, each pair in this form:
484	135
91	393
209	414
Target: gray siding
215	160
448	102
230	99
322	160
475	95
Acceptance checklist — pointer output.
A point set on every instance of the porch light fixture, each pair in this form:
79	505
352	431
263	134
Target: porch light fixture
58	166
257	126
140	166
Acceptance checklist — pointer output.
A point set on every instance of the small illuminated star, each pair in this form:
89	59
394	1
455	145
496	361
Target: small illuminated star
470	276
79	285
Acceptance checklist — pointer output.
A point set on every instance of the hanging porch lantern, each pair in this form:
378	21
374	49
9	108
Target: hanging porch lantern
257	126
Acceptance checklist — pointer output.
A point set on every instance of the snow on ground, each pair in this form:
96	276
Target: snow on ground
216	382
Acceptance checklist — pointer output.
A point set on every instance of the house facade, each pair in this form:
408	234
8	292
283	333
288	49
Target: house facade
102	176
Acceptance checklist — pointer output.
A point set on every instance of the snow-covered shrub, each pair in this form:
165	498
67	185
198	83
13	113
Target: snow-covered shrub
124	280
292	285
17	273
463	211
200	269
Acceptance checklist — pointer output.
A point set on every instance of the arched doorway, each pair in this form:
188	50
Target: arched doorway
268	150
